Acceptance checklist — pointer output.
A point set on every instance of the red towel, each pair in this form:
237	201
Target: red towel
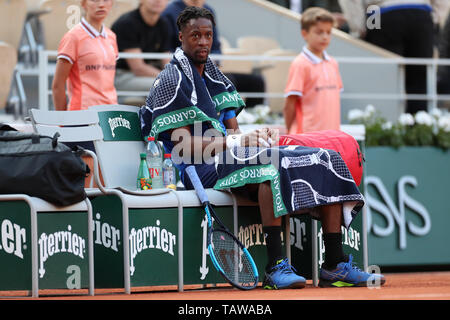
339	141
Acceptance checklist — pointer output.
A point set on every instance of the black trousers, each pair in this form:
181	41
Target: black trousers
245	82
409	33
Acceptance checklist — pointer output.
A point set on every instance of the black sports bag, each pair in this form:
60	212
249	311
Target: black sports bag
41	167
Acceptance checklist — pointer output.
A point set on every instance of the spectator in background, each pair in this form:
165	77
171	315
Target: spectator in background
314	83
141	30
331	5
296	5
444	53
407	29
251	83
283	3
86	59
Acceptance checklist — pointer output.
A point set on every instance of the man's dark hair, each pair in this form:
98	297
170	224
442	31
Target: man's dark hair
194	13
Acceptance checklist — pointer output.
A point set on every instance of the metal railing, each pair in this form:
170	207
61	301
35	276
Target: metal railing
431	64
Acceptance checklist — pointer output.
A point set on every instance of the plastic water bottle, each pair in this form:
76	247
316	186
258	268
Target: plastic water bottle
154	162
144	182
169	175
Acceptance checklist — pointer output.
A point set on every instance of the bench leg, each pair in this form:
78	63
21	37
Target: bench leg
315	262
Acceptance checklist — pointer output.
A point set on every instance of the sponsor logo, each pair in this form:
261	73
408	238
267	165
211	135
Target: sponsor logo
249	173
180	118
59	242
12	238
298	233
278	204
227	99
350	238
118	122
395	215
97	67
106	235
176	118
150	237
256	175
251	235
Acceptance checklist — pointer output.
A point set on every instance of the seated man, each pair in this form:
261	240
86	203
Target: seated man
141	30
192	109
245	82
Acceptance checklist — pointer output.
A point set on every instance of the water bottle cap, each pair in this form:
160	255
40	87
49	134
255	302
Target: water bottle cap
167	155
151	139
143	155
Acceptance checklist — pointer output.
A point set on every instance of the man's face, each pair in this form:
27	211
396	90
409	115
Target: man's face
196	39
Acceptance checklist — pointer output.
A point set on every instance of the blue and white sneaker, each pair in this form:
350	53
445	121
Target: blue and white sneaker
283	276
347	274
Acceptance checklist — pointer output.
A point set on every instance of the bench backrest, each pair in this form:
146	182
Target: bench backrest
105	126
73	126
119	162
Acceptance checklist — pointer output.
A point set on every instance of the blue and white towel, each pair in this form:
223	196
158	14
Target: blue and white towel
301	178
180	97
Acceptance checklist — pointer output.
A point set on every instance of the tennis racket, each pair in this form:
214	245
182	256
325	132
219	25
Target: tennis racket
227	253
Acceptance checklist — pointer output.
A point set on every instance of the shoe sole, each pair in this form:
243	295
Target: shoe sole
342	284
297	285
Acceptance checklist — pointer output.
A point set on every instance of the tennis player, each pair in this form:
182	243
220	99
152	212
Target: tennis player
191	91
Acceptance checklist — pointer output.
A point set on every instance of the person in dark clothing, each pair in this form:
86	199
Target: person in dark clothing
405	27
141	30
251	83
409	33
444	53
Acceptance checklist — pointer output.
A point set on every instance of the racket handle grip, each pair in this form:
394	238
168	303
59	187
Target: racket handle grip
195	180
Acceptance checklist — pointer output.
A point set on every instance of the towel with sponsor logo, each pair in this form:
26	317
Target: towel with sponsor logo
180	96
301	178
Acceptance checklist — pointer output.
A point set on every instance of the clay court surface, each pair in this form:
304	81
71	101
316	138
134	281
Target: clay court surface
399	286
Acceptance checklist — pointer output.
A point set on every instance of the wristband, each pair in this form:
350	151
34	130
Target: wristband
233	140
264	142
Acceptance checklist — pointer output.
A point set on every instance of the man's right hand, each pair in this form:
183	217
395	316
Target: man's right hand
258	138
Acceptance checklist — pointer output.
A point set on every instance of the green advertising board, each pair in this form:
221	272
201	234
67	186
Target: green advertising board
108	242
63	250
120	126
62	259
408	214
154	243
15	245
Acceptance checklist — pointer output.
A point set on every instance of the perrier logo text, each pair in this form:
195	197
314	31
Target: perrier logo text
12	238
59	242
118	122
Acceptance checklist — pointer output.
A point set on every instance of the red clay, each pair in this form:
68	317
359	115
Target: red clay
399	286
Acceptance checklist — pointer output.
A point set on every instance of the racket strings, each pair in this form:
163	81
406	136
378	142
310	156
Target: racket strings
234	262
